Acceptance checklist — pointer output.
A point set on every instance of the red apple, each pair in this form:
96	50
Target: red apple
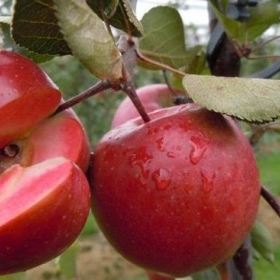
27	96
43	209
61	135
44	194
177	194
153	97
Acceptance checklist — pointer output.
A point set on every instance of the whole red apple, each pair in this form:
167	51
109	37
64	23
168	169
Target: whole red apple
27	96
177	194
153	97
44	194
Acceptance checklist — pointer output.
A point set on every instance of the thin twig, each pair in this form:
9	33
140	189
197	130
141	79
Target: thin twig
158	64
272	127
246	53
261	45
268	57
98	87
258	132
271	200
129	89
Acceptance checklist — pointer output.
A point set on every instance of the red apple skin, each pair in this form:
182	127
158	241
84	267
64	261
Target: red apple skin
43	209
27	96
153	97
44	194
177	194
59	136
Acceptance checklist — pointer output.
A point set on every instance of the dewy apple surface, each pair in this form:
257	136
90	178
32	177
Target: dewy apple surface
44	194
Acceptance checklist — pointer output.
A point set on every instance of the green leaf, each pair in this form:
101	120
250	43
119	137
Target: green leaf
224	4
262	17
104	8
16	276
255	100
268	164
118	14
164	38
35	27
7	42
262	241
197	64
67	261
90	227
210	274
89	39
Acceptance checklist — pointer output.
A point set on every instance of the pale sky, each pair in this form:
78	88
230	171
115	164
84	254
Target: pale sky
196	14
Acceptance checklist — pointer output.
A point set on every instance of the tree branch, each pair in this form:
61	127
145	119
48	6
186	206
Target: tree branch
98	87
162	66
271	200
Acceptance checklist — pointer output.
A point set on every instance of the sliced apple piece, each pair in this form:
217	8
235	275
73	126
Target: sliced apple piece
42	211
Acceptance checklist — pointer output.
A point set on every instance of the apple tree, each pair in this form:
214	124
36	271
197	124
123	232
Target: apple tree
174	184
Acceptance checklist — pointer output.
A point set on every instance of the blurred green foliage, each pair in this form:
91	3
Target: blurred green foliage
90	228
269	165
267	271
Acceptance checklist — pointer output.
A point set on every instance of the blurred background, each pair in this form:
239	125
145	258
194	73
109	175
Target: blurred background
91	257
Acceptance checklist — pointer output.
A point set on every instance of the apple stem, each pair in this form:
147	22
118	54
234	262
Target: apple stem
98	87
129	89
162	66
155	276
271	200
259	130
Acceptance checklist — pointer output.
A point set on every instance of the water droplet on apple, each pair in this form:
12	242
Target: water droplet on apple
207	181
161	178
159	143
198	148
170	154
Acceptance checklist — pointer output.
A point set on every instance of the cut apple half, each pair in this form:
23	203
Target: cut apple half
42	211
